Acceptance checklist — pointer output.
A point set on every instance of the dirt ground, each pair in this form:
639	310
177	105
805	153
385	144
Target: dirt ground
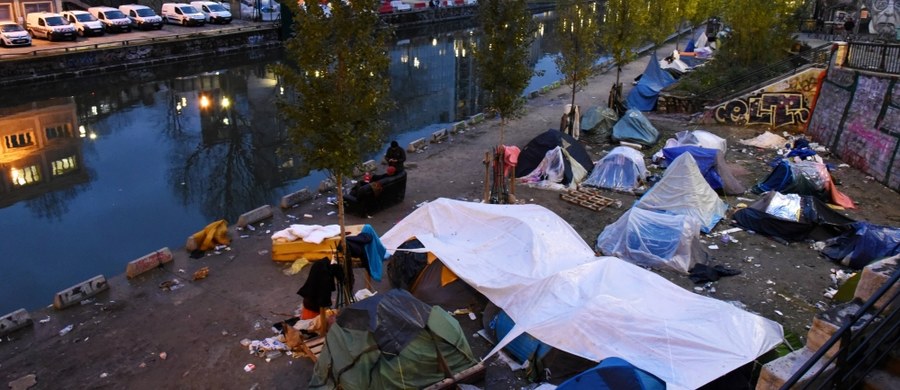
138	335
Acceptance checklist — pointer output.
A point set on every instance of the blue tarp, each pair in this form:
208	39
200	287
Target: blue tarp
643	96
613	374
864	244
635	127
523	347
706	161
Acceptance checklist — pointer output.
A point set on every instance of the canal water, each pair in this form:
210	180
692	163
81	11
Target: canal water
99	171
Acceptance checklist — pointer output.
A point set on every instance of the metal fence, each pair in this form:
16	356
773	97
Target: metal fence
875	57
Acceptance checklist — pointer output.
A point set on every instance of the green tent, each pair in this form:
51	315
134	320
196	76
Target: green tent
391	341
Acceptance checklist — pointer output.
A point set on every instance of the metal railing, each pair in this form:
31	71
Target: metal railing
875	57
865	338
818	56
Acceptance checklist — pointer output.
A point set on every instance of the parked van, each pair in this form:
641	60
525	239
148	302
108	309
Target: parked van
85	24
183	14
113	20
215	12
49	26
142	16
12	34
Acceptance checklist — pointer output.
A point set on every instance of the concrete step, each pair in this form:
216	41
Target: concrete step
881	380
827	323
873	277
778	371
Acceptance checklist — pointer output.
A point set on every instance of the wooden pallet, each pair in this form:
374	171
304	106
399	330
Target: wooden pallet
587	197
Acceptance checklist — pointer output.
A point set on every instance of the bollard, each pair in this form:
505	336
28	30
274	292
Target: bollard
79	292
148	262
295	198
254	216
13	321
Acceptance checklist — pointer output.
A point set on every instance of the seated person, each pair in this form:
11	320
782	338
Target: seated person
395	156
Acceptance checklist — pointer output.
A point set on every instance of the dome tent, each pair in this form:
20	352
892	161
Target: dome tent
533	155
623	169
635	127
683	191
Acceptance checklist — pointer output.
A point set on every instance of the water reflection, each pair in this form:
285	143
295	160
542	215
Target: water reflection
113	167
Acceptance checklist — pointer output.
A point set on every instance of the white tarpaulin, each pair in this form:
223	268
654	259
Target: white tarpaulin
683	191
533	265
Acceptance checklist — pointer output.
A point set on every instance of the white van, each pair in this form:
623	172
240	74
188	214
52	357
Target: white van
49	26
215	12
113	20
12	34
142	16
85	24
183	14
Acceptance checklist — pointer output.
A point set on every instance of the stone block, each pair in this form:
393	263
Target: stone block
827	323
458	127
326	185
13	321
439	136
873	277
291	199
79	292
775	373
416	145
148	262
478	118
254	216
368	166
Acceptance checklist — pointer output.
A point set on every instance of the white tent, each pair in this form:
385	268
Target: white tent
684	191
622	169
652	239
700	138
533	265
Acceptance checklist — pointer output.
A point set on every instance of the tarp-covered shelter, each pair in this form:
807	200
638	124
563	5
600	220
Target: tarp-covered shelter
425	276
791	218
391	340
804	178
599	121
613	374
623	169
683	191
635	127
540	155
653	239
863	244
535	266
700	138
712	165
644	95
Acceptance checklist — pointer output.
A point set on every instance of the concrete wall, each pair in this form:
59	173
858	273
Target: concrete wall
857	116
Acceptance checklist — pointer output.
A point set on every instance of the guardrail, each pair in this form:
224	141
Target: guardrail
875	57
132	42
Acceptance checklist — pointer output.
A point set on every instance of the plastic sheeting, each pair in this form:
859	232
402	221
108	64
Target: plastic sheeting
623	169
701	138
652	239
644	95
683	191
766	140
864	244
804	178
817	221
533	153
634	127
557	170
599	119
535	266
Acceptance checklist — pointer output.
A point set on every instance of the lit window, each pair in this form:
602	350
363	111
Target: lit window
28	175
63	166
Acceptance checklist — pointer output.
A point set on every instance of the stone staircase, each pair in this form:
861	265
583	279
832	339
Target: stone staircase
886	375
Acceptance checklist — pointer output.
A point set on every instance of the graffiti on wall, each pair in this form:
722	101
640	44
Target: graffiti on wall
772	109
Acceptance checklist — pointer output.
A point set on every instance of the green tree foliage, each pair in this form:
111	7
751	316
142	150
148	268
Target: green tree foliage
686	9
621	31
579	32
502	55
707	9
760	29
662	16
337	72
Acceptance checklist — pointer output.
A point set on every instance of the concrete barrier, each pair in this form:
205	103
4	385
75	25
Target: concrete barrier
255	215
291	199
439	136
79	292
416	145
326	185
478	118
458	127
368	166
148	262
13	321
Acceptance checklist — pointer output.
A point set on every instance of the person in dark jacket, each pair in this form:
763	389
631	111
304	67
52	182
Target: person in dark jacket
395	156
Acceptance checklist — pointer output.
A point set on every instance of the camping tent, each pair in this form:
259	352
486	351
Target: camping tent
700	138
804	178
635	127
791	218
599	121
623	169
426	277
558	170
653	239
536	151
711	163
613	374
535	266
391	340
683	191
863	244
643	96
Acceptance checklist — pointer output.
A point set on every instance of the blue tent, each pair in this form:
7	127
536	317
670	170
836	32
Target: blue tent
612	374
635	127
643	96
706	161
864	244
